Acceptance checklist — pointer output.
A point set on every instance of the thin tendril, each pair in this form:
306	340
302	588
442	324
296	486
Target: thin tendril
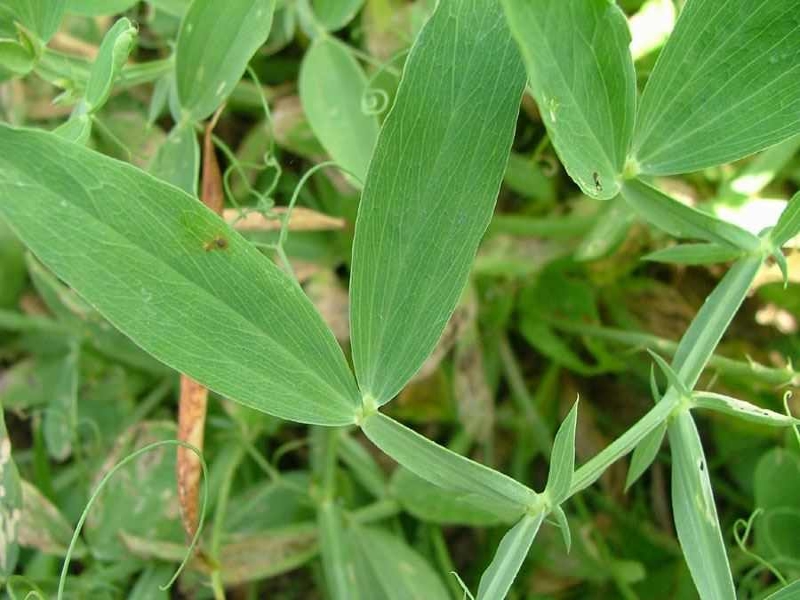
741	541
106	478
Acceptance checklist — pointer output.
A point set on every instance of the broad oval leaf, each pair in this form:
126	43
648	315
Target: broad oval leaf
335	14
431	189
726	85
332	87
215	43
490	490
514	547
582	77
175	278
695	513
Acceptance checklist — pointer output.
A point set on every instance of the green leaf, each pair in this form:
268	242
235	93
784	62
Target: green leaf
431	190
645	453
562	459
694	254
726	85
684	221
111	57
582	77
42	526
400	572
174	278
514	547
743	410
177	160
61	415
695	513
332	86
608	232
337	559
76	129
10	504
335	14
434	504
96	8
40	16
15	59
563	525
788	225
486	488
790	592
215	43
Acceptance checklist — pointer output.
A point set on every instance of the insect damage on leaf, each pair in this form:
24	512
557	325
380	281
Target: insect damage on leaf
217	243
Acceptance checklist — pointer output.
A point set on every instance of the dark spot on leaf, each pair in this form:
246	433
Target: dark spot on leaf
218	243
596	177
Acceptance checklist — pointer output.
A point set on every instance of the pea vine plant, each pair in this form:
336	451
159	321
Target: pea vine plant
184	285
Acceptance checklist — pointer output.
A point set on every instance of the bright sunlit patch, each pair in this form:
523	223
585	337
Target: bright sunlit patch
651	26
755	215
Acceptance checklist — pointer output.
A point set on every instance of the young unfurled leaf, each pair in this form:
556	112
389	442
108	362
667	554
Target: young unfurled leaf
10	504
431	189
514	547
742	409
726	85
491	490
694	254
788	224
332	86
684	221
175	278
673	378
113	53
178	159
695	513
563	525
562	460
645	453
399	571
215	43
582	76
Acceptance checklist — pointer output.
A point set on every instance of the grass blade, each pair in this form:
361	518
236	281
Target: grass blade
337	559
507	561
431	189
645	453
726	85
694	254
175	278
10	504
582	77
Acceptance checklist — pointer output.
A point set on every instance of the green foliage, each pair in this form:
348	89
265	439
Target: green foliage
488	288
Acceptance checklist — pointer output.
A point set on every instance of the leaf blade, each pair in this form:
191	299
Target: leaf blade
145	246
409	268
724	87
582	77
